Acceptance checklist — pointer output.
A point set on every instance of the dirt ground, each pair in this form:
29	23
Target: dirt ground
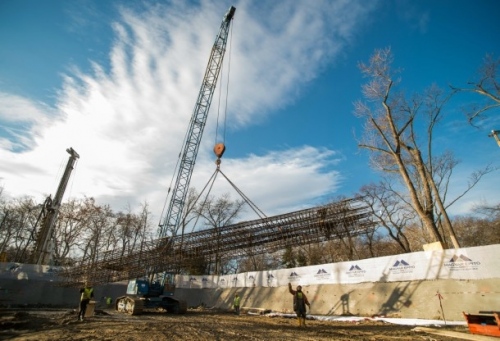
200	324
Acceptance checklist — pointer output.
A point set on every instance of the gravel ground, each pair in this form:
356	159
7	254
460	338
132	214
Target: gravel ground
202	325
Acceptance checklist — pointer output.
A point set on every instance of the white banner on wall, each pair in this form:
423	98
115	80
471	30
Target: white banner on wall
461	264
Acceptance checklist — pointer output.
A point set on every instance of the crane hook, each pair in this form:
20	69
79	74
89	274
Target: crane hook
219	149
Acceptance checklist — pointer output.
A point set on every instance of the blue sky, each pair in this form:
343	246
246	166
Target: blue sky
118	80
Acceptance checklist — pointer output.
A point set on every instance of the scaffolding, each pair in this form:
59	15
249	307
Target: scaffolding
263	236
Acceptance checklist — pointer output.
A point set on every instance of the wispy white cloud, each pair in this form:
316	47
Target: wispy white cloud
22	120
128	121
287	47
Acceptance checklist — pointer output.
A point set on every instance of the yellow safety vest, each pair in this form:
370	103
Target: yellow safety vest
87	294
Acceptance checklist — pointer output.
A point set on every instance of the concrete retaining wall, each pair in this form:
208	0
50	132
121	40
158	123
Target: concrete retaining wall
417	299
45	293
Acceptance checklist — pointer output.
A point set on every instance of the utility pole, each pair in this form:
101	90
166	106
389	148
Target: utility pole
494	134
43	246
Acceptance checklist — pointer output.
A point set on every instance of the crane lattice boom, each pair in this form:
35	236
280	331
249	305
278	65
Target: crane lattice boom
195	130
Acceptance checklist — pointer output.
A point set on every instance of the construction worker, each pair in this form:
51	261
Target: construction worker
87	293
236	304
299	304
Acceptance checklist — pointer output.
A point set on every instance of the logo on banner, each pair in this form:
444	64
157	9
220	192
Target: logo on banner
235	280
401	267
322	273
251	279
293	276
462	263
270	279
192	279
222	282
355	271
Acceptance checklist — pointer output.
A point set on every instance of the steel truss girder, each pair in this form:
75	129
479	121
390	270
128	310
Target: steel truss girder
310	226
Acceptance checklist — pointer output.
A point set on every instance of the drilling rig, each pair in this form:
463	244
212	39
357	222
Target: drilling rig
43	248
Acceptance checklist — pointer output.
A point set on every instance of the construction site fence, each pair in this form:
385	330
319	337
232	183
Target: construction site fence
471	263
461	264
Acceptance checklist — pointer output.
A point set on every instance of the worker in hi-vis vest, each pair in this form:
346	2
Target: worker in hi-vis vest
299	304
236	304
87	293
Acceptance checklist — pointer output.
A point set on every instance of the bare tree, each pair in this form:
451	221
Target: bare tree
96	219
259	262
477	231
68	231
390	210
218	213
399	135
487	85
492	211
483	228
289	259
83	230
314	254
19	220
190	214
128	232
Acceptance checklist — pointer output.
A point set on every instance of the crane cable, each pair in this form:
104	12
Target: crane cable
227	93
211	182
245	198
212	179
254	207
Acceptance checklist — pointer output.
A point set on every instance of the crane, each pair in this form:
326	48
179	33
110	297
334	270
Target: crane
157	290
195	129
155	264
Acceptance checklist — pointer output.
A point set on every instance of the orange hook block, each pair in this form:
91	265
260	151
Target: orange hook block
219	149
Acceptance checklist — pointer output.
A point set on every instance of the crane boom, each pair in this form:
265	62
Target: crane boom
195	129
42	252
